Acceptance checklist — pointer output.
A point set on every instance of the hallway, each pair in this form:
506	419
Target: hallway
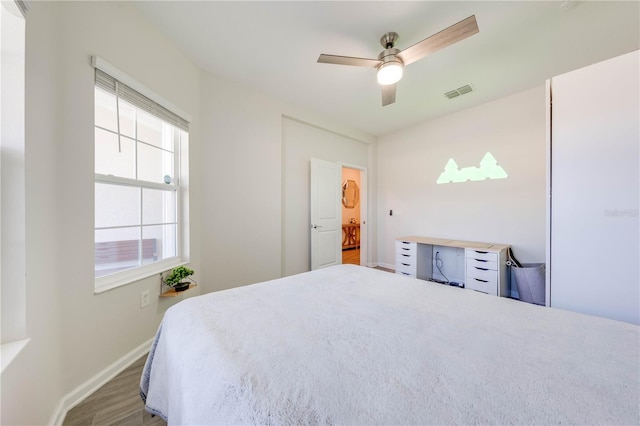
351	256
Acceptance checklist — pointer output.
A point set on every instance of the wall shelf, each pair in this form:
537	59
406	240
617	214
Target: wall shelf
173	293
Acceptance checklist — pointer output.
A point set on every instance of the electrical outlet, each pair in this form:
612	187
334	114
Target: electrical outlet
144	299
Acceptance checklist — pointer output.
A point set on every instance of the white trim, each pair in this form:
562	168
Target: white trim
386	265
102	65
118	279
9	351
83	391
548	149
117	180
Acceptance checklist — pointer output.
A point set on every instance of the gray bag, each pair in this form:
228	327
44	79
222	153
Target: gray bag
529	278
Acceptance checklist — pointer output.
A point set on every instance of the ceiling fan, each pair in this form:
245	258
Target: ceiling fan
391	61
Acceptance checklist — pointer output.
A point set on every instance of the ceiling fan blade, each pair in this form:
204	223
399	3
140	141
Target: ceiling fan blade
447	37
348	60
388	94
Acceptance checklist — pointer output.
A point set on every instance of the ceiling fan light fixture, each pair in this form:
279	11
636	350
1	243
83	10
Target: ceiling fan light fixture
390	73
391	61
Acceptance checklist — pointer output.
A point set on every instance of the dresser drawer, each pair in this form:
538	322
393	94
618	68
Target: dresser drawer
482	279
406	264
482	255
482	264
406	269
482	273
405	247
406	259
480	285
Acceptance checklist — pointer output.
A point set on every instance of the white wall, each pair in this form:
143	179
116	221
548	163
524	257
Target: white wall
301	142
240	180
594	164
20	384
74	333
244	177
510	210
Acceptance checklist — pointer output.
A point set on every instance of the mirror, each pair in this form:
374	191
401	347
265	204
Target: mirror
350	194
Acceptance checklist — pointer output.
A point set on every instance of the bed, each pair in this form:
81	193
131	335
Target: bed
359	346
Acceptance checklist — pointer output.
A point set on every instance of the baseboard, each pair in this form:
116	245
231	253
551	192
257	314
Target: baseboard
79	394
391	266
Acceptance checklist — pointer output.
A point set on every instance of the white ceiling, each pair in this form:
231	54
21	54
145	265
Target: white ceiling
273	47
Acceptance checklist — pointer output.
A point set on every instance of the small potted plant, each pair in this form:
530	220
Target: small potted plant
176	277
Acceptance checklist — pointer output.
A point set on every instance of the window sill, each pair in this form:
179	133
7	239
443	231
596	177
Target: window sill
110	282
9	351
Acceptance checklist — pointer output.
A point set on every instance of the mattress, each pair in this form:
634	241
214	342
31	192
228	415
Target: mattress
354	345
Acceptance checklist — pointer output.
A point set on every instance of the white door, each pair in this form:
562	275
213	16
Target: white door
326	214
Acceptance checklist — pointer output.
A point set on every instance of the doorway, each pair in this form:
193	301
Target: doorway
351	215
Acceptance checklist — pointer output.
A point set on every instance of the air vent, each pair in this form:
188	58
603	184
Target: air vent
452	94
459	91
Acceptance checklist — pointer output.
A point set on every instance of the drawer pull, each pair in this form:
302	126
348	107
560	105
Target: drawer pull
482	269
482	281
405	255
405	264
405	273
404	248
480	260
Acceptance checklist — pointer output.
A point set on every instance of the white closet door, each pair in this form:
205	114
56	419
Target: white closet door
595	232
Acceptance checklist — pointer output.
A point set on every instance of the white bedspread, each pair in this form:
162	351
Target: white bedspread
358	346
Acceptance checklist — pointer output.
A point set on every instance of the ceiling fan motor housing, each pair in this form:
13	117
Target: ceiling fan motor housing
389	40
389	55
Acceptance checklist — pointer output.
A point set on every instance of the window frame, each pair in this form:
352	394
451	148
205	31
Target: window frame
13	284
180	186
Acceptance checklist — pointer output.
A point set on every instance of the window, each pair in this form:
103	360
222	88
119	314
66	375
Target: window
13	284
139	168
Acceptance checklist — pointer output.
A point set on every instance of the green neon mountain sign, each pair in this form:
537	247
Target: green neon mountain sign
489	169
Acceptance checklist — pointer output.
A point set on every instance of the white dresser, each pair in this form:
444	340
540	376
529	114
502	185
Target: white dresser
473	265
406	256
482	271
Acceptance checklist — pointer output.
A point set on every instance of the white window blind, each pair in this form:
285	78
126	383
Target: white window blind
126	93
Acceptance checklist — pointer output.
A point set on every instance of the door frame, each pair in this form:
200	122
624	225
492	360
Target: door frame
364	211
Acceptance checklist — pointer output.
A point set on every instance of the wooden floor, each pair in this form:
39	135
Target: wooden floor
351	256
117	403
